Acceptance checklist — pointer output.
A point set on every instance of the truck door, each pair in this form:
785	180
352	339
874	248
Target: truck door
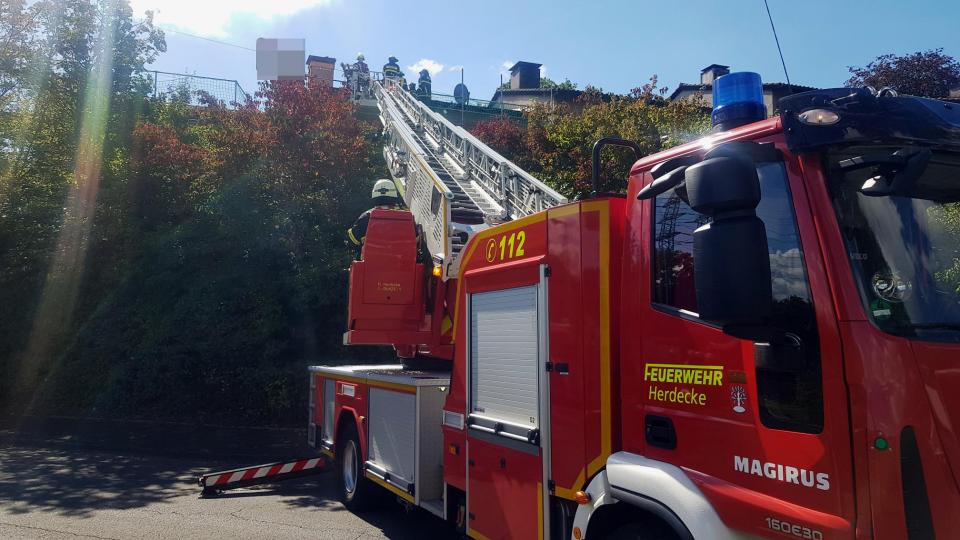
761	429
505	402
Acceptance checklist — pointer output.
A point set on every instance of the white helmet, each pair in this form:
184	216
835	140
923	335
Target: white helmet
360	57
384	192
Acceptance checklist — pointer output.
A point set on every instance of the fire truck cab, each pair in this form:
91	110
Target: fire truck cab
758	340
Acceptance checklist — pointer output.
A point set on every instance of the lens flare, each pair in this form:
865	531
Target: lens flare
54	316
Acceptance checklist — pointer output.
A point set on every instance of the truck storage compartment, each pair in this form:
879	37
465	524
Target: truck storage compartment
404	410
405	439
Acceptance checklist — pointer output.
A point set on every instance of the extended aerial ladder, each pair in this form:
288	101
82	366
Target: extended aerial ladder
454	186
453	183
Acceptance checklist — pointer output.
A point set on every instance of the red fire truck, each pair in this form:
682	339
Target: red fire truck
759	339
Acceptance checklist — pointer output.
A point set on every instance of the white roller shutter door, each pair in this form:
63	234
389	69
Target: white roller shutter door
504	355
392	422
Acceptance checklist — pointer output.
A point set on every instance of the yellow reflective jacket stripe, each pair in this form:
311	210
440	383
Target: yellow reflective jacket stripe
352	237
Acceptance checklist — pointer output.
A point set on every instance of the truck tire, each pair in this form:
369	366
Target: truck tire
356	491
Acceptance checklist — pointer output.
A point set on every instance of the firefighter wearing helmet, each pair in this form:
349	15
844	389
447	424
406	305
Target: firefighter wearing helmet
424	85
385	197
391	71
360	64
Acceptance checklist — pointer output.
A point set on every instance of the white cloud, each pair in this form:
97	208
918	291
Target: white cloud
786	271
211	17
432	66
457	67
507	64
543	71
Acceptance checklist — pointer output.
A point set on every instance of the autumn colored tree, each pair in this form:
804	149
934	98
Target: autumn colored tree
507	137
240	276
204	245
927	73
559	138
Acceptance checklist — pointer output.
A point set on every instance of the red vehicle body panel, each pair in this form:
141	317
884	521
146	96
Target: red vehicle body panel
504	495
578	243
604	328
743	501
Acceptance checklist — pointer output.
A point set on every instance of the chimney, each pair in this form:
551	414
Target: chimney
525	75
711	72
320	69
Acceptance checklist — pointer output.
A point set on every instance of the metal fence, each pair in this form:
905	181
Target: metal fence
446	104
192	88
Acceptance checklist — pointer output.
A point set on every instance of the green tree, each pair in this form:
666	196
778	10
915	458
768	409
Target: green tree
62	173
18	48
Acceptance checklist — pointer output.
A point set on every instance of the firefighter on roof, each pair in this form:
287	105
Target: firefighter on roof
424	84
391	70
385	197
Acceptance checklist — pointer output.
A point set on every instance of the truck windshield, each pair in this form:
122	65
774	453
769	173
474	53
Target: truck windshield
903	243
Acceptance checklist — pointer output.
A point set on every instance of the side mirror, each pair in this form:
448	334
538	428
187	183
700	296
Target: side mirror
731	259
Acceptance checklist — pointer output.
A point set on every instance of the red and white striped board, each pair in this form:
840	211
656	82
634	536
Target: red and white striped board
260	474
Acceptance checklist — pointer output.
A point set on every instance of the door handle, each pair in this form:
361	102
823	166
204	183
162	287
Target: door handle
659	432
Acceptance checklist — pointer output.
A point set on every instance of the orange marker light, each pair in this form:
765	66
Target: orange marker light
582	497
437	271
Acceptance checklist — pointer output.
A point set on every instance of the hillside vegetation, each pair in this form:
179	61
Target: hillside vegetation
157	259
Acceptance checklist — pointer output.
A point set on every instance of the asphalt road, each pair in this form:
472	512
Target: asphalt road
53	489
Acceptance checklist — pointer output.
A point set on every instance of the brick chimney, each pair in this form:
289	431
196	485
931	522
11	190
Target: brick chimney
711	72
320	69
525	75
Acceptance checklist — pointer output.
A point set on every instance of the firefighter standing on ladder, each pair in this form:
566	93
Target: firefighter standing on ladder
391	71
424	85
385	197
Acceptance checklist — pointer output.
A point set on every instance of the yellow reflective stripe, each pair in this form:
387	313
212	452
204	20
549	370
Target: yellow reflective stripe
352	237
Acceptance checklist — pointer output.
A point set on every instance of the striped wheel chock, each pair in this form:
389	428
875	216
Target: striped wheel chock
259	474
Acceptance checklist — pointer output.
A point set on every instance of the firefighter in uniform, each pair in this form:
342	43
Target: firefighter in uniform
362	73
424	84
385	197
391	70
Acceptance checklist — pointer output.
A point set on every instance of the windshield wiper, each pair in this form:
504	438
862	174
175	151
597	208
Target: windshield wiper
935	326
897	172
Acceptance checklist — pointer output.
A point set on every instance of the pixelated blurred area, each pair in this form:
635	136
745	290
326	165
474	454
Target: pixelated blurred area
280	59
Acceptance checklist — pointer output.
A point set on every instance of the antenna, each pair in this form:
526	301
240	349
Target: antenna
779	50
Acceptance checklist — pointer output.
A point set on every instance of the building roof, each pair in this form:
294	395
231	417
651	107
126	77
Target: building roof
518	65
708	68
558	94
324	59
706	88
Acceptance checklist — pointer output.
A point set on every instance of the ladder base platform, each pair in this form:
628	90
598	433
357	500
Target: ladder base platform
267	473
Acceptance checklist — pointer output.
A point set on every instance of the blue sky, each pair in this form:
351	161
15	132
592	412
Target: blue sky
616	45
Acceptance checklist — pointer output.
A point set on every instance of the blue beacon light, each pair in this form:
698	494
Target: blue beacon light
737	100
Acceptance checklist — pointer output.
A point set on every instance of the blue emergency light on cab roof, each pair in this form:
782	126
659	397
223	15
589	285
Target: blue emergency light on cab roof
737	100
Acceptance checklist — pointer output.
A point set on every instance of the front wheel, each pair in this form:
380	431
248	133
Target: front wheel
356	491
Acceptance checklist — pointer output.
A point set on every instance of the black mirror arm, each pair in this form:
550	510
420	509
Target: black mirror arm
663	184
609	141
